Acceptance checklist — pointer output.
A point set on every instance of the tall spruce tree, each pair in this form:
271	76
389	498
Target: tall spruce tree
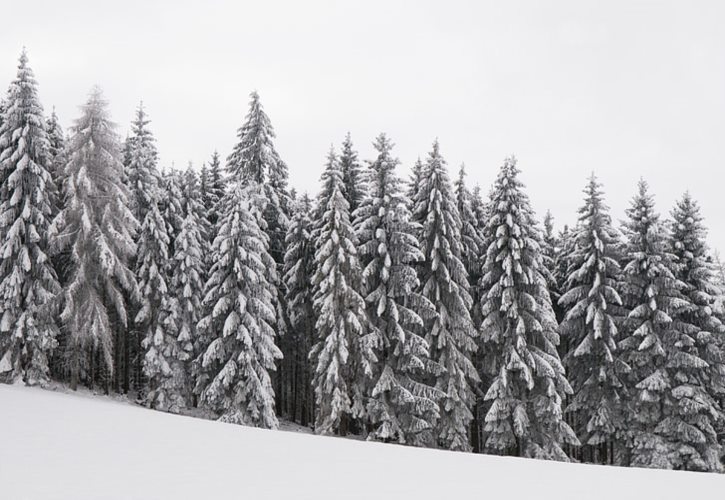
237	332
651	294
450	332
696	367
97	227
299	266
56	146
141	170
28	283
214	189
590	326
353	178
402	407
343	354
519	332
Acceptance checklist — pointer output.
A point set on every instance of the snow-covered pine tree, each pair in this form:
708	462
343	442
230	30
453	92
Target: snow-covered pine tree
28	283
401	406
255	159
519	332
164	355
97	227
450	332
343	354
239	326
141	171
171	204
590	301
299	265
470	236
188	275
651	294
697	369
214	189
413	185
353	177
550	247
56	146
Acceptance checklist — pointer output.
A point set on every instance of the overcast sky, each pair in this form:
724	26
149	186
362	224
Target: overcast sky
622	88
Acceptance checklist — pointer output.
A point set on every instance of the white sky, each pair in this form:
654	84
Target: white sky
623	88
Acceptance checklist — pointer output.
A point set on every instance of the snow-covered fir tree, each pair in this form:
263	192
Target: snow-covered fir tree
353	177
164	355
590	326
56	146
450	332
171	203
655	347
299	266
550	247
401	406
413	185
519	332
214	190
343	354
28	283
696	368
97	227
141	171
254	159
470	235
239	325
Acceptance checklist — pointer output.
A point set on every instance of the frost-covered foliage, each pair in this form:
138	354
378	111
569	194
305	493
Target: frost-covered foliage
401	406
56	161
519	332
214	189
696	366
171	204
165	355
141	171
353	178
238	329
97	229
668	420
28	283
343	354
450	332
471	240
590	325
413	185
299	267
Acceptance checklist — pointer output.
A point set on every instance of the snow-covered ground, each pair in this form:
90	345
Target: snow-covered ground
78	446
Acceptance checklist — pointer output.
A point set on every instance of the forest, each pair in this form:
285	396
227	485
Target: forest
420	311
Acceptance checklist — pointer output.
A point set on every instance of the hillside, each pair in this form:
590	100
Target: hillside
77	446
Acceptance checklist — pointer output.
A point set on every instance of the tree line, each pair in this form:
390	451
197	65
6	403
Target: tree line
414	311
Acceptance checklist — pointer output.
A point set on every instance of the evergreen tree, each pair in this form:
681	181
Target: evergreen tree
550	246
239	326
164	355
97	228
590	326
141	171
401	407
299	265
56	145
214	189
171	204
470	236
353	178
519	332
450	332
343	354
416	176
651	293
28	283
697	368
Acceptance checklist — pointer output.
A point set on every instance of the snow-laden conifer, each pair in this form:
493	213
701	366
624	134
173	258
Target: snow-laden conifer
353	177
299	267
401	406
56	147
343	354
519	332
450	332
590	325
97	228
28	283
238	328
651	294
141	170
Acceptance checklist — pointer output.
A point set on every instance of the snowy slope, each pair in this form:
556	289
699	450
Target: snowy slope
73	446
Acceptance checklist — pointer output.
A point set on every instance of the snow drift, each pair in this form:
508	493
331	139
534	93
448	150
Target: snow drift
77	446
